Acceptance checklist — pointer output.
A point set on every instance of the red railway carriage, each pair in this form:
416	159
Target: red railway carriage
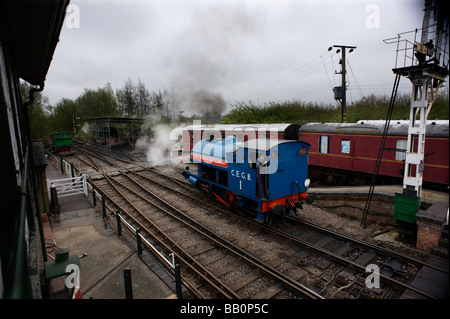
243	132
340	152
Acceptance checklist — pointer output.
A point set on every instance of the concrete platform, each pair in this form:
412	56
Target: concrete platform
390	190
80	228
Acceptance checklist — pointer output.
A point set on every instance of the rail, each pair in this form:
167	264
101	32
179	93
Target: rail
339	258
138	234
69	169
234	249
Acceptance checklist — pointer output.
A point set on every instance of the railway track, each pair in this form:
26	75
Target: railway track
322	263
334	257
201	252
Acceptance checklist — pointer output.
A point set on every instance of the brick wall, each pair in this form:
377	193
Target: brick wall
430	223
428	235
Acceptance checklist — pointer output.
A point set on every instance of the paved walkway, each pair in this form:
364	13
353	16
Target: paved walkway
80	228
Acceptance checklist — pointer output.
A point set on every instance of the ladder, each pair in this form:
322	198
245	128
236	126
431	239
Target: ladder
380	151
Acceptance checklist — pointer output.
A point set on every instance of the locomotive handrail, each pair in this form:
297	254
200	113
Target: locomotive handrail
299	191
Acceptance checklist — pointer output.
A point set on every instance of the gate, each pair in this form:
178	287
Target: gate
70	186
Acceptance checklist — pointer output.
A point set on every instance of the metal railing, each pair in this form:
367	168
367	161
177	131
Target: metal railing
139	238
404	53
407	42
90	189
121	219
169	261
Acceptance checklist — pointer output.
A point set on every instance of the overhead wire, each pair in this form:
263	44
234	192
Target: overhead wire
294	80
333	68
326	72
313	66
358	87
281	82
403	88
350	93
292	77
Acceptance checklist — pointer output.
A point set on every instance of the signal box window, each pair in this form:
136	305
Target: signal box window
345	146
324	142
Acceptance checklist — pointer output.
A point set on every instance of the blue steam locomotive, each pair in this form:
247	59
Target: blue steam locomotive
266	176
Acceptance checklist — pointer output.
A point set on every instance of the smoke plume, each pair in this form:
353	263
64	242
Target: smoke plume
199	65
161	142
206	50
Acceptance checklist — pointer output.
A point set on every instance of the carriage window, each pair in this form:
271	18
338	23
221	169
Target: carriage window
324	144
345	146
401	145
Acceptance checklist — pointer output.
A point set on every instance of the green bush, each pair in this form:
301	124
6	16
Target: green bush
370	108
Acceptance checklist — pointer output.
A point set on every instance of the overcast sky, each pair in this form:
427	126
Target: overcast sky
259	50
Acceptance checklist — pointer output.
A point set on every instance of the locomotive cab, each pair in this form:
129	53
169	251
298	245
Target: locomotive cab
281	170
265	176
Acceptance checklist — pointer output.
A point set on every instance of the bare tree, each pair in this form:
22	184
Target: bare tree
126	98
143	100
137	100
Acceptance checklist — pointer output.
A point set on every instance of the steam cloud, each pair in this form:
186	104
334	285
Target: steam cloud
203	54
159	146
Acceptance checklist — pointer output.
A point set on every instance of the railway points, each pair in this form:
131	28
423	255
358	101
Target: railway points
318	272
80	228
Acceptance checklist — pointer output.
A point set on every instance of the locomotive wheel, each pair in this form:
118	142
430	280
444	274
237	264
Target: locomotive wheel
232	201
234	206
278	210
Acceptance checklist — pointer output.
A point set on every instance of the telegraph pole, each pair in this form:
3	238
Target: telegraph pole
342	97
